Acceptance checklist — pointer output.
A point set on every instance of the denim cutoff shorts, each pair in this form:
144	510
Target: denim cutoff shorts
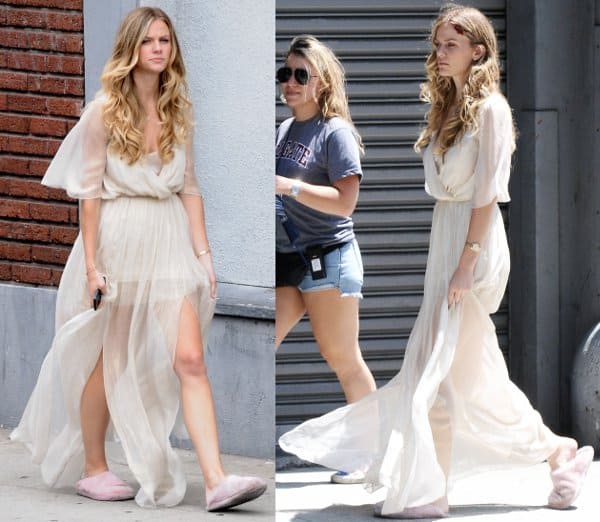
344	271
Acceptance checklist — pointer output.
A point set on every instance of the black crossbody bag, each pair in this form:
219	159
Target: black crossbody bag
290	267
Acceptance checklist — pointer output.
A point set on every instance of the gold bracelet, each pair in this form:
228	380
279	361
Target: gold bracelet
91	269
203	252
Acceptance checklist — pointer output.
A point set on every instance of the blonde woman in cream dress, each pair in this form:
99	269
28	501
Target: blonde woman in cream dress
452	410
129	160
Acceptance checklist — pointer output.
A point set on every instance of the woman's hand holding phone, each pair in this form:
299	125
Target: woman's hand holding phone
96	287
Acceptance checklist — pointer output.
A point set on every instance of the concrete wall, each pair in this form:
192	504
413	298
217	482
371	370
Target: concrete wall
554	218
99	37
26	331
228	48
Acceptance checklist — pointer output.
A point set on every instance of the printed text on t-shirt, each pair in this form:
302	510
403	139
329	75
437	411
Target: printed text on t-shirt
294	151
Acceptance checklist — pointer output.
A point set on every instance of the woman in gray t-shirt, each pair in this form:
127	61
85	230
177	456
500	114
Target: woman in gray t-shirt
319	268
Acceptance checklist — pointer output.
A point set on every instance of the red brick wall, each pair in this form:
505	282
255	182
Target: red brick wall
41	95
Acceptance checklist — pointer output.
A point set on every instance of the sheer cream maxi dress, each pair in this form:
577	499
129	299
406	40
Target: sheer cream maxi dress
452	409
144	247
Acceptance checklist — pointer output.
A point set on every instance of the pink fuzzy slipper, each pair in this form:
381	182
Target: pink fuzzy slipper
568	478
438	509
233	491
104	486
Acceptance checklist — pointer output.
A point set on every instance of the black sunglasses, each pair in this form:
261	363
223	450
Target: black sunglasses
302	76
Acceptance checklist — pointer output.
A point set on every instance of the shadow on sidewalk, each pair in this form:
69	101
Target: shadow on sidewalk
335	512
472	510
365	511
294	485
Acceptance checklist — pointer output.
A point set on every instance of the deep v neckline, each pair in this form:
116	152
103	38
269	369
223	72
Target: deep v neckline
158	163
436	158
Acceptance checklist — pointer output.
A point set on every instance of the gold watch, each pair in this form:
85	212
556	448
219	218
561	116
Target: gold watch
475	246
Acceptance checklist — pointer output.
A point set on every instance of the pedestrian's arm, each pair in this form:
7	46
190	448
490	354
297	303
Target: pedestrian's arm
339	199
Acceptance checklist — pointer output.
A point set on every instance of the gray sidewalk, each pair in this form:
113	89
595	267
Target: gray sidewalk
24	497
306	495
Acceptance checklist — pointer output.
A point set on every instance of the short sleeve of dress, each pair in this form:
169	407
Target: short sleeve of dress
190	183
80	162
343	155
496	144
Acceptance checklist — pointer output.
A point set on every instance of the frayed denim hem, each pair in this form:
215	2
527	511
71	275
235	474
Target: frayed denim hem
331	287
351	294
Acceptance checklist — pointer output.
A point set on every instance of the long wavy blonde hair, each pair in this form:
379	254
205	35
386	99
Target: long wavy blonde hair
124	117
332	97
483	79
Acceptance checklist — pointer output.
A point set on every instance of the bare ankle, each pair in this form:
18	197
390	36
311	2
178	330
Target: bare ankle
92	470
212	480
565	452
442	503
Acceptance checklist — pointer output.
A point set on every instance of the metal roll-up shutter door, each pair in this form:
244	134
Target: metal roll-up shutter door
382	45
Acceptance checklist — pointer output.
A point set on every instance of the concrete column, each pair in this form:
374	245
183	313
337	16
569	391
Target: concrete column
534	295
551	89
100	23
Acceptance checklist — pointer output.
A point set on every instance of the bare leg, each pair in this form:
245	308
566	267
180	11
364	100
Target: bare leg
94	421
334	321
441	428
196	397
289	309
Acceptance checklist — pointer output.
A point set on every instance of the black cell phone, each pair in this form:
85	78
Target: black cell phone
97	299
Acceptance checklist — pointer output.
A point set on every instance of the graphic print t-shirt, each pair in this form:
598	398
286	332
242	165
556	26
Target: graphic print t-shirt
319	152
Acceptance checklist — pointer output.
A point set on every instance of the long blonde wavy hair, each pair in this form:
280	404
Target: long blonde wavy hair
483	79
124	117
332	98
